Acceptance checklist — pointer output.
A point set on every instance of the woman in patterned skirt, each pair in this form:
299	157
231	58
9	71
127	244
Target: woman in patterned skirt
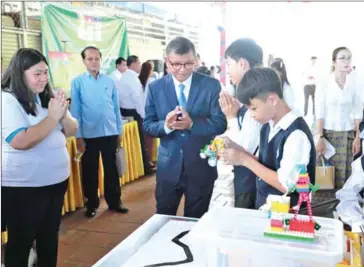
338	113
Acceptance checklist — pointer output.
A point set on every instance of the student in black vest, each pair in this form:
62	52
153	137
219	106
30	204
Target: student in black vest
285	138
351	197
242	55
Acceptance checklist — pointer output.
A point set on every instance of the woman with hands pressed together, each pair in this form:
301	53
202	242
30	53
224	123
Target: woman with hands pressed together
35	161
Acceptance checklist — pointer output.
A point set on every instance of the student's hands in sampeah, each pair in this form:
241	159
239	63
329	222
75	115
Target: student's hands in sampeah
61	96
57	107
229	105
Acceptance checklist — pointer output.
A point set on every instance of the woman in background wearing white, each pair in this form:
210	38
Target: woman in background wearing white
338	112
288	94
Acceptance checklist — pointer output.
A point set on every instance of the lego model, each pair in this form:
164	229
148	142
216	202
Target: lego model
283	225
212	150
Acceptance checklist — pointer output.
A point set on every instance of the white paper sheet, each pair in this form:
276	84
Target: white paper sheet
160	248
330	150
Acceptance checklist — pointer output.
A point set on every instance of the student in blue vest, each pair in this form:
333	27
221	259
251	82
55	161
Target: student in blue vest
285	138
242	55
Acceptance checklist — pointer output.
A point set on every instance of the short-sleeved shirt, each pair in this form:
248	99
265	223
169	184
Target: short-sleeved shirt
46	163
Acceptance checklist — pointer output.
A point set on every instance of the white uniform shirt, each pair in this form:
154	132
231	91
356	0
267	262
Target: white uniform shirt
311	72
116	75
349	208
288	96
296	150
131	92
248	135
47	163
339	107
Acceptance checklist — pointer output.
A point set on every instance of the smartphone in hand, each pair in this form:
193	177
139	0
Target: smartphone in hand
179	115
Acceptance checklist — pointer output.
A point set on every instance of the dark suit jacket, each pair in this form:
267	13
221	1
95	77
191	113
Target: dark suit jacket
182	148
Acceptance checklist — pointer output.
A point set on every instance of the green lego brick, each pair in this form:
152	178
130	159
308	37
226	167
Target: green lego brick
289	237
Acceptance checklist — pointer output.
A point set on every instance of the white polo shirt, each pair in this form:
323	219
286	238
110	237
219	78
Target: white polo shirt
47	163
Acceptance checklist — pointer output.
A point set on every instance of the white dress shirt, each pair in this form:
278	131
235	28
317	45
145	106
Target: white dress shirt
186	92
339	107
296	150
116	75
288	96
131	92
248	135
349	208
310	72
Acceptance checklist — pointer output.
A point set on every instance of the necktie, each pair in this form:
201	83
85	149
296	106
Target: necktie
181	96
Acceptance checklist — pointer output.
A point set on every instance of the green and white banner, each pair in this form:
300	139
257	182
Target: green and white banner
67	30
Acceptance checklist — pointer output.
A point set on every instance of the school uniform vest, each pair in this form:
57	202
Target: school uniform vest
244	179
270	155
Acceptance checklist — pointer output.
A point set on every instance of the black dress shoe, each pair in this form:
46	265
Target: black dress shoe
151	165
119	208
149	171
90	213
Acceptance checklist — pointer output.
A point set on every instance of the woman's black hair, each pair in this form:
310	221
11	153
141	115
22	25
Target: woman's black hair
279	66
145	73
12	80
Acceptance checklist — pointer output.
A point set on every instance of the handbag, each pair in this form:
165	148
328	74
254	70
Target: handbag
325	176
324	209
120	161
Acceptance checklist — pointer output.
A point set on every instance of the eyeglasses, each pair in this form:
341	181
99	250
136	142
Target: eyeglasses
344	58
178	66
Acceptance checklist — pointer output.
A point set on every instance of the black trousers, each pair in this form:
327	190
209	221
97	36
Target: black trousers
133	113
90	171
32	213
309	90
168	197
245	200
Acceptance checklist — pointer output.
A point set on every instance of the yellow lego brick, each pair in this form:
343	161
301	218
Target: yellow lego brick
276	229
280	207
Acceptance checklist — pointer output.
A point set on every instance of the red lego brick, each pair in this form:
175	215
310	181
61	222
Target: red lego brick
302	226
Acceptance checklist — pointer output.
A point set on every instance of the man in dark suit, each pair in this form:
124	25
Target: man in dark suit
182	109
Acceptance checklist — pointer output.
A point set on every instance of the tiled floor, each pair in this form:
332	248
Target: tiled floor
84	241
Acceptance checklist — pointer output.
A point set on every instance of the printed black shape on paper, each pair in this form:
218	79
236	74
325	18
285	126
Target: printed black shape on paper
189	256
